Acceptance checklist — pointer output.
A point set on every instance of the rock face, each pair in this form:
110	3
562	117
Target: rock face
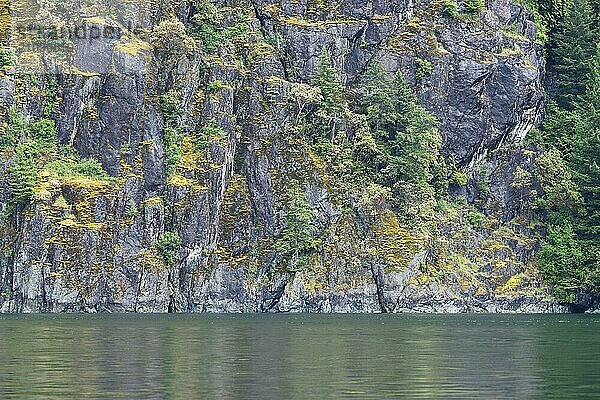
88	245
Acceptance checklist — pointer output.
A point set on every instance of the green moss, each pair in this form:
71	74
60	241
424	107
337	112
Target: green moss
216	86
38	154
73	169
170	106
172	142
424	69
167	246
473	7
459	178
450	9
7	57
475	218
206	26
209	133
395	244
12	130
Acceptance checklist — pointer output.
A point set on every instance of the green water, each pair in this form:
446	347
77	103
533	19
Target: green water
299	357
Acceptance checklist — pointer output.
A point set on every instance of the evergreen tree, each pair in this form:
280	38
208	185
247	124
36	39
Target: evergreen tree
561	262
378	99
571	49
570	257
407	141
297	241
327	80
552	12
585	160
23	176
590	102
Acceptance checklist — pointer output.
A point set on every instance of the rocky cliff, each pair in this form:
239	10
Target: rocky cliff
214	194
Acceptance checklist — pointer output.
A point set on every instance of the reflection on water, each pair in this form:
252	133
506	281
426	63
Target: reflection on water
299	356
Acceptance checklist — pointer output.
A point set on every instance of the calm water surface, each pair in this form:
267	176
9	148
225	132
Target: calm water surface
299	357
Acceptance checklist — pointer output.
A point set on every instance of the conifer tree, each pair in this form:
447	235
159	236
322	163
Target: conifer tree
572	47
586	155
297	240
577	131
552	11
406	137
327	80
561	260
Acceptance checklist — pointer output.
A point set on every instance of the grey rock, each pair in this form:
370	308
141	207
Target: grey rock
227	202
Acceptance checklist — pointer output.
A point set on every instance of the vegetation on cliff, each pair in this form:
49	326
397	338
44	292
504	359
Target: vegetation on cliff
570	256
326	146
